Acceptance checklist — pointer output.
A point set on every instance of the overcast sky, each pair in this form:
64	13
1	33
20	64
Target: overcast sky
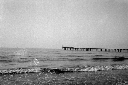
53	23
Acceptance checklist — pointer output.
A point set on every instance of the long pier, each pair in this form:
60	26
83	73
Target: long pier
95	49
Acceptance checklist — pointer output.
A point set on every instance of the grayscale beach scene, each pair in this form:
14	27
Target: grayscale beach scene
63	42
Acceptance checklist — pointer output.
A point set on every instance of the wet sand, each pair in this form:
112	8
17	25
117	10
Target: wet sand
110	77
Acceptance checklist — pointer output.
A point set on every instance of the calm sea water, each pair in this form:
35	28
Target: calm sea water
53	58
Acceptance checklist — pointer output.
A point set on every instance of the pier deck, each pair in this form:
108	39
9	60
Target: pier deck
95	49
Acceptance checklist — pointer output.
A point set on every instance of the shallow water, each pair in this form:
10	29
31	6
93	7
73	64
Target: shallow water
54	58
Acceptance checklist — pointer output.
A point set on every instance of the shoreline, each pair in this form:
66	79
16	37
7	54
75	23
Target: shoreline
110	77
64	69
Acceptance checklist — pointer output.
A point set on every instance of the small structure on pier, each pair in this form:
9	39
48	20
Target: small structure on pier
66	48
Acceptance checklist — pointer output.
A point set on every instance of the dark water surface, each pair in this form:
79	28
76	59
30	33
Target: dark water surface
54	58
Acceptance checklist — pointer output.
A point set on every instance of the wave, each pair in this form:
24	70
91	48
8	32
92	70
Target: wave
116	58
77	59
62	59
3	57
5	61
98	55
72	56
63	70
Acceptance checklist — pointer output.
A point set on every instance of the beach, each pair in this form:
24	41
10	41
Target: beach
110	77
60	67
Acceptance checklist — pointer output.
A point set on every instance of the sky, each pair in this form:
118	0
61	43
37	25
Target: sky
53	23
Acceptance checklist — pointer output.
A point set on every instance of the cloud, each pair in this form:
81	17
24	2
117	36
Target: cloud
122	1
103	20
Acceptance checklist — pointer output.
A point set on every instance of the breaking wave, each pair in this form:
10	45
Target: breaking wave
64	70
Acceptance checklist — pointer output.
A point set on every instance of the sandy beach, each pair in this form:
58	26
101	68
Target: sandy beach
110	77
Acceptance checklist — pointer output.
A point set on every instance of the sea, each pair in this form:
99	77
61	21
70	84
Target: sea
12	58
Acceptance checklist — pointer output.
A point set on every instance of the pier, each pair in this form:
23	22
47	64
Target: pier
94	49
